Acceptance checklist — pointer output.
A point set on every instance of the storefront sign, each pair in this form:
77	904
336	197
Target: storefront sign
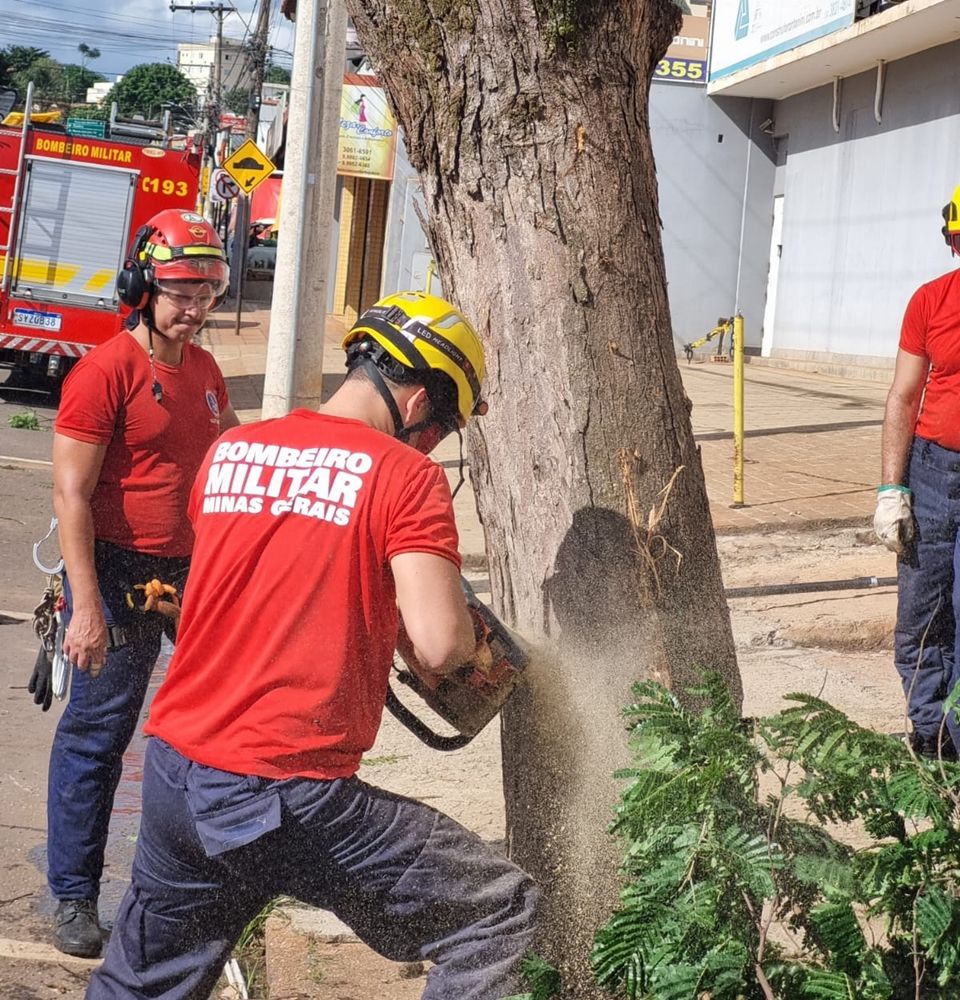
686	59
748	31
368	130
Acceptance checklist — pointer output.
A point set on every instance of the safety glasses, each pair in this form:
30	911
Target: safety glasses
202	299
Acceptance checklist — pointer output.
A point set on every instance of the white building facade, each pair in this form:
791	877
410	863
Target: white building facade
99	91
856	125
197	61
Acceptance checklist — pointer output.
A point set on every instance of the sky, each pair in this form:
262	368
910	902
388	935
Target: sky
130	32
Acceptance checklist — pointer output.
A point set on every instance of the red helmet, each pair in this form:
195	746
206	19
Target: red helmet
183	246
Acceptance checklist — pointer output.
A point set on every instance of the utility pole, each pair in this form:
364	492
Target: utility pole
241	228
299	307
212	110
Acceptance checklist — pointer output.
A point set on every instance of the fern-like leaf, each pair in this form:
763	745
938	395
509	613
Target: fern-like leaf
838	931
917	795
542	978
822	985
938	928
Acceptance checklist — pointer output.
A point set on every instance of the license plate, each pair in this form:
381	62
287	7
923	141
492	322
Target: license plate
34	319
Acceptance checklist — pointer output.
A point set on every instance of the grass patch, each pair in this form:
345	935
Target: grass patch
25	420
250	950
387	758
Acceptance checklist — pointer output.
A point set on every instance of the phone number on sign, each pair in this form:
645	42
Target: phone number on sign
688	70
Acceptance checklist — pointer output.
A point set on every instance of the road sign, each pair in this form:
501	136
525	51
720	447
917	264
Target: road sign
224	186
248	166
87	127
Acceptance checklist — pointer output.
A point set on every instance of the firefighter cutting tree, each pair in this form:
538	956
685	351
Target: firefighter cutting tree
318	526
69	207
137	414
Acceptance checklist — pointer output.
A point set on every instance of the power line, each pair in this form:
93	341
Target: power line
107	30
42	29
100	16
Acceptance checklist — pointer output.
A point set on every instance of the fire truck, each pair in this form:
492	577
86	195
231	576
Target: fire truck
69	207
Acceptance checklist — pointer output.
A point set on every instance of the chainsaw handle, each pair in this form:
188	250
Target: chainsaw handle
420	729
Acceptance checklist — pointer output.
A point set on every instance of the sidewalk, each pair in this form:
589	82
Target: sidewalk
811	449
811	454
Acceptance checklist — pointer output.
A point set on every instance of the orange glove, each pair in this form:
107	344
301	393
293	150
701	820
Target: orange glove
159	597
156	593
169	609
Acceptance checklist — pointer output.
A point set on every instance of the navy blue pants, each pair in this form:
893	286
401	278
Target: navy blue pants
98	723
928	587
215	848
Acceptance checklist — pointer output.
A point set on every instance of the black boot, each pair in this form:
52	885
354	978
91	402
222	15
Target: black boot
927	746
77	928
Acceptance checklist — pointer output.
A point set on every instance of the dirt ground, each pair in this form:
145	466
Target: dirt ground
836	643
833	642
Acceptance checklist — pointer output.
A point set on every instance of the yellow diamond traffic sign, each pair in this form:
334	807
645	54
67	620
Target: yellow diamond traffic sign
248	166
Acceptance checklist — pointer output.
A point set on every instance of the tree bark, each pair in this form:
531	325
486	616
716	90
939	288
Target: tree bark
527	122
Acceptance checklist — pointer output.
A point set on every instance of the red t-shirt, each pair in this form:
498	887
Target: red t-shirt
289	619
153	449
931	330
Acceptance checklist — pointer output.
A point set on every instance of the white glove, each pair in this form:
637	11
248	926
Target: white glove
893	520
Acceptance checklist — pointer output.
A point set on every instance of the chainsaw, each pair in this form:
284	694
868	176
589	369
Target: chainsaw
468	697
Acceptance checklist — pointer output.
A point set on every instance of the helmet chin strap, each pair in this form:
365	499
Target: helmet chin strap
155	387
400	432
462	479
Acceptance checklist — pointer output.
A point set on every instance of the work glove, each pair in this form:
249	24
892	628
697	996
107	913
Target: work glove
893	520
41	680
157	596
482	658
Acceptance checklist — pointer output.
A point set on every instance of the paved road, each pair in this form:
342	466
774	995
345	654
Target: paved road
812	448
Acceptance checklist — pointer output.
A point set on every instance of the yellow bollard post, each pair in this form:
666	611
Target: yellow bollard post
431	270
737	411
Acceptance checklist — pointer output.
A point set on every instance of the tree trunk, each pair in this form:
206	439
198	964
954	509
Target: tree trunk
527	122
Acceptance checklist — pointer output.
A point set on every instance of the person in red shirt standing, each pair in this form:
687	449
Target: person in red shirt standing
136	417
312	531
918	501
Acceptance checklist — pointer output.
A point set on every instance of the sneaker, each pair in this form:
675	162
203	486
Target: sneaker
77	930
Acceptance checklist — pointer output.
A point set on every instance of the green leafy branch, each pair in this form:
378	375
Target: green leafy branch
733	891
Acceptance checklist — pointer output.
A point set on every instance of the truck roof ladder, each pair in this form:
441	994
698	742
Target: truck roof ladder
11	209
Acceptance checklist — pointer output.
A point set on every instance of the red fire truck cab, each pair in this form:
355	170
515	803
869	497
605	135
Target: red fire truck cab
69	207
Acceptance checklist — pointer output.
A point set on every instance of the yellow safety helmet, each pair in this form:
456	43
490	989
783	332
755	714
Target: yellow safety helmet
410	334
951	219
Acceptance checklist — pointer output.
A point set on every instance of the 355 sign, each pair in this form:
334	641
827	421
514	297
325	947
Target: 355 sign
687	70
686	59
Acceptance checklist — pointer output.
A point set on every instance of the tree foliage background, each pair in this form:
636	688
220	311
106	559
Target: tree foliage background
53	82
276	74
146	88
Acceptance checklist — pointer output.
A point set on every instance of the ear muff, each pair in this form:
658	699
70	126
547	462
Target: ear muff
951	218
134	282
133	289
